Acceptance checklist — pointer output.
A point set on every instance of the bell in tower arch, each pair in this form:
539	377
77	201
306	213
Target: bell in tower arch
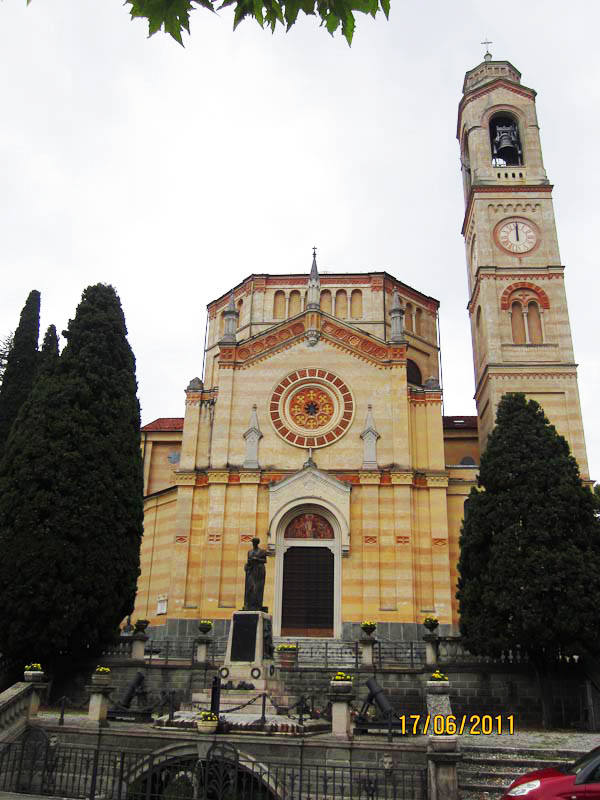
506	147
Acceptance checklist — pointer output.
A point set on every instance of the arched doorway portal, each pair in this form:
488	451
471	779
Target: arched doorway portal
308	576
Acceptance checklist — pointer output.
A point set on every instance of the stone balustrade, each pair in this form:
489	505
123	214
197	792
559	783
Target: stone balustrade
17	704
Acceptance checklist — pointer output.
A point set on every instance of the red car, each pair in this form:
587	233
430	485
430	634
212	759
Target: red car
578	781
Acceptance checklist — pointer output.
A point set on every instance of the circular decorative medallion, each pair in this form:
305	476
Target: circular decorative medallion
311	407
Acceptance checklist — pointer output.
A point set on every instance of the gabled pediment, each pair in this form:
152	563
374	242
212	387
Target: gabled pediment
310	478
308	328
314	490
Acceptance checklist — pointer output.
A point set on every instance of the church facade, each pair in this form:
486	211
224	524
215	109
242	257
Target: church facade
318	423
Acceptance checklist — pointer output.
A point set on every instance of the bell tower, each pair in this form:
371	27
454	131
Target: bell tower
517	304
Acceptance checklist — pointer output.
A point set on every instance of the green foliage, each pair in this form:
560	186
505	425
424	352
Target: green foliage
21	366
6	343
529	562
49	351
173	16
597	495
71	494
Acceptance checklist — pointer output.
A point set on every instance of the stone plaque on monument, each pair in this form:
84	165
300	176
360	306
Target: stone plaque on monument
243	639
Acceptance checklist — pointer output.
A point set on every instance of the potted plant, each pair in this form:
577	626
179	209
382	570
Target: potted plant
101	676
207	722
287	654
438	683
33	672
368	626
341	681
431	623
205	626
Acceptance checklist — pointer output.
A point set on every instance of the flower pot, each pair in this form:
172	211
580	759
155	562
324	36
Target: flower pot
101	679
34	676
368	629
431	626
141	625
204	627
287	659
438	687
206	726
340	686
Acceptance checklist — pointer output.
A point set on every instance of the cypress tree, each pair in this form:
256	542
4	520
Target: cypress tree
529	566
21	365
49	351
6	343
71	494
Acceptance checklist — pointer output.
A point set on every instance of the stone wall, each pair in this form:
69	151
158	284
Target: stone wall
475	689
182	629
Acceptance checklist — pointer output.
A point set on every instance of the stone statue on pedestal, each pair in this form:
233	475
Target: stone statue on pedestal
255	577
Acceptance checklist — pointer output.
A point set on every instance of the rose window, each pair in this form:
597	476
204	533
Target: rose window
311	407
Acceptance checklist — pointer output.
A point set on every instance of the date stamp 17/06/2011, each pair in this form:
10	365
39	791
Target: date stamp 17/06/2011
450	725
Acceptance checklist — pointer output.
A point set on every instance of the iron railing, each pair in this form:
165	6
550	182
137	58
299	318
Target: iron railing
77	772
169	650
331	655
398	654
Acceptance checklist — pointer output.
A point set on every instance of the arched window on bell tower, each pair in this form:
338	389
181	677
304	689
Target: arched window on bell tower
505	141
465	163
517	322
534	322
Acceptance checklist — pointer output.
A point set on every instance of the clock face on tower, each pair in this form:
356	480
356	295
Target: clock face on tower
516	235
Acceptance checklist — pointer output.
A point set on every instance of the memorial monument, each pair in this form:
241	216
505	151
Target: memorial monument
249	656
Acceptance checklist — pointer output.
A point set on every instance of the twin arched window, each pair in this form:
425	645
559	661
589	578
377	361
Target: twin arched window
413	319
526	322
346	305
286	307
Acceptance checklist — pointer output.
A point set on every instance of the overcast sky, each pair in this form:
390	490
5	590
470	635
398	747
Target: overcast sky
174	173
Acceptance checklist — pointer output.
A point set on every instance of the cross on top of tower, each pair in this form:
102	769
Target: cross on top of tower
488	55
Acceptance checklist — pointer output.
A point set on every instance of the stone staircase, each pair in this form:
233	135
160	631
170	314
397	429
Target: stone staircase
486	772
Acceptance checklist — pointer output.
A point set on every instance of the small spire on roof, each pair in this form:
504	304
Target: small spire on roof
314	272
313	298
231	316
397	318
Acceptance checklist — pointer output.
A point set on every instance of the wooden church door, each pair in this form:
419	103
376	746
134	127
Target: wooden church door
307	596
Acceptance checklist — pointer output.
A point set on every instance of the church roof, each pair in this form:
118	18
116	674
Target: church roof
455	423
326	278
165	424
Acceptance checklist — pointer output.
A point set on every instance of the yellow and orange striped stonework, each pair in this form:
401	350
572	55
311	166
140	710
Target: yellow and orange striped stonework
320	410
393	528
